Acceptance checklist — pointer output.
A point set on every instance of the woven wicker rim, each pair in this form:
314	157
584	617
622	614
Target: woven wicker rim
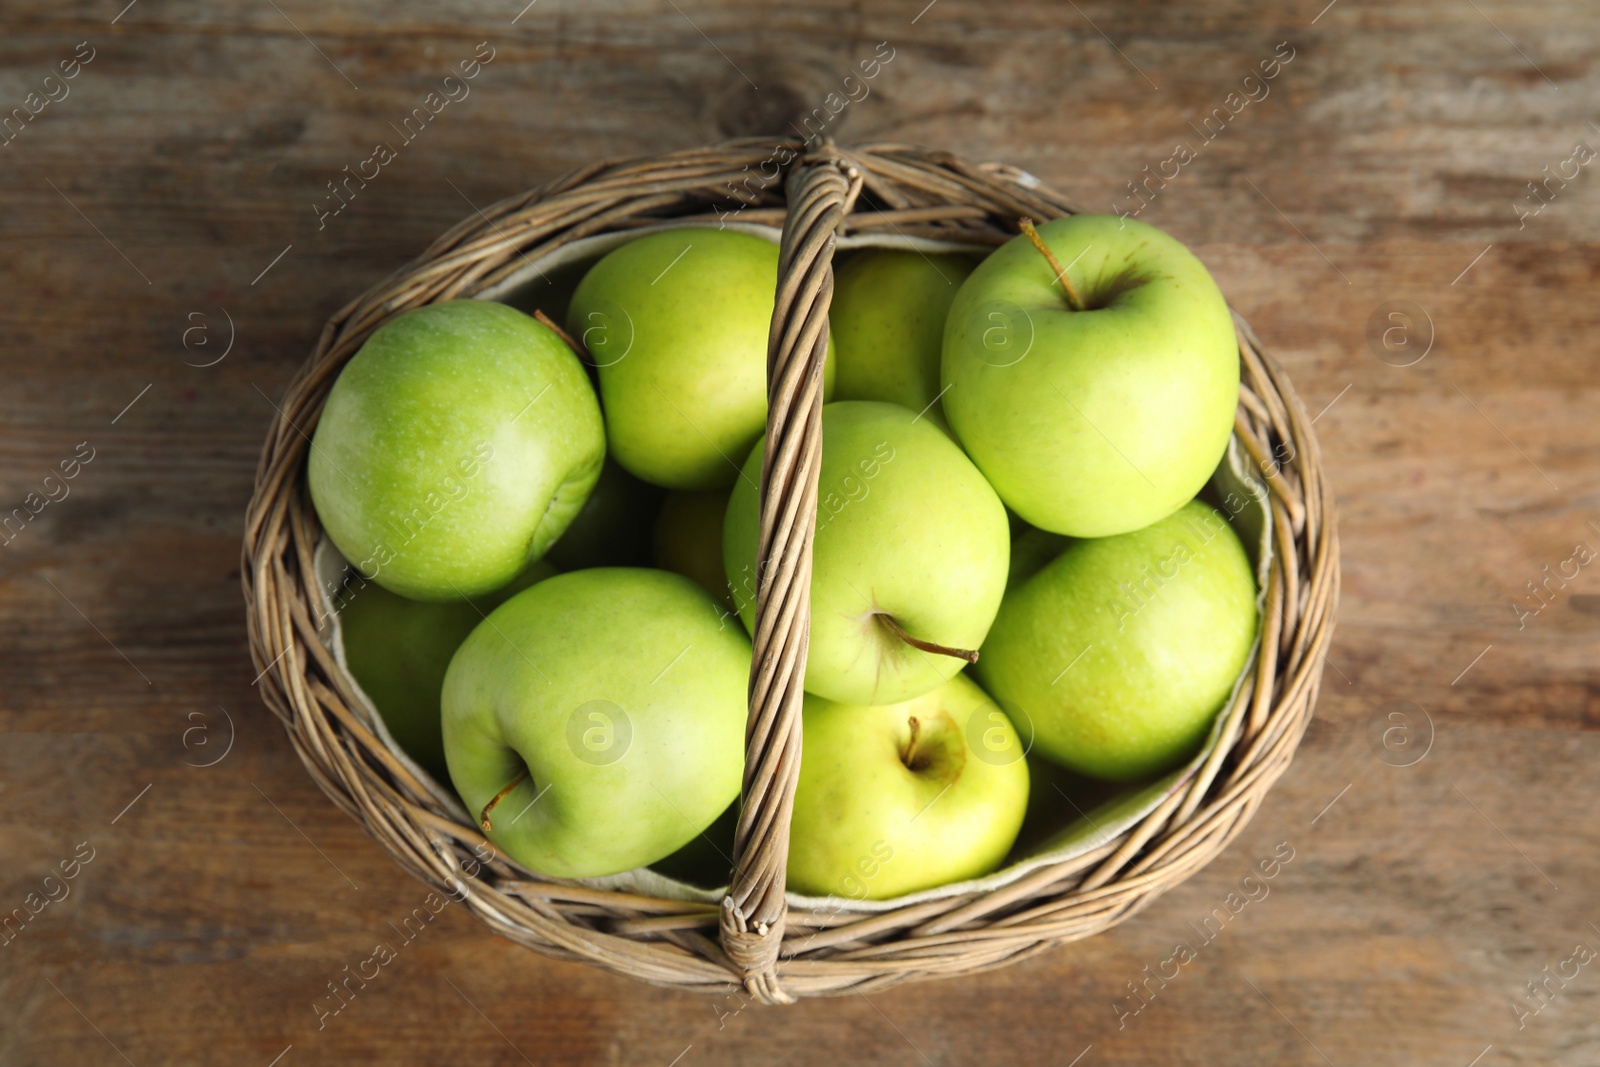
761	944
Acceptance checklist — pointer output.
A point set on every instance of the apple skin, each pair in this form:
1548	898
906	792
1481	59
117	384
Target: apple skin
906	528
1096	422
399	650
707	861
1031	550
887	318
1167	615
612	529
677	323
663	680
688	538
532	574
454	448
867	825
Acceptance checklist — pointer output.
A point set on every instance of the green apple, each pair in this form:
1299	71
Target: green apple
612	529
909	560
1122	650
903	797
1102	420
595	722
454	448
887	318
688	538
532	574
1061	802
707	861
677	323
399	649
1031	549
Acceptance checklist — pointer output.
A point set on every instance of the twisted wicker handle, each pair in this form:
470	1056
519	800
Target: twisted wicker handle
819	194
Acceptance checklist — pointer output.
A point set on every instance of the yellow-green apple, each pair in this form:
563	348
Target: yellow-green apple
903	797
454	448
909	560
677	323
688	538
1101	402
1121	651
594	723
887	318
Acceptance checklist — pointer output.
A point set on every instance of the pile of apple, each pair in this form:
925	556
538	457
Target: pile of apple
553	546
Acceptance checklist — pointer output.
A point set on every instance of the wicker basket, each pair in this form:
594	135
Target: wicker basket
758	939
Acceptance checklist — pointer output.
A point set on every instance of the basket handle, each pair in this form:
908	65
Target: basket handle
819	193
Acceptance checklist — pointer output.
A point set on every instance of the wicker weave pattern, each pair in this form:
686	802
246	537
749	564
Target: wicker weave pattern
773	952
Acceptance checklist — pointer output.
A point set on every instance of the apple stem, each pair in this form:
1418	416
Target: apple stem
910	753
968	654
583	353
483	818
1026	225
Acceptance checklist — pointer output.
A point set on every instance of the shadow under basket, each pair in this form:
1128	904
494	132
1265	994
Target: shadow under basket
759	939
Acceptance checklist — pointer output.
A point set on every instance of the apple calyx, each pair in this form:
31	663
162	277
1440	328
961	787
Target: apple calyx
968	654
1026	226
483	817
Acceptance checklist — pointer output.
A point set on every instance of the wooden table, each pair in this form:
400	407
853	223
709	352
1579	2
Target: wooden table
167	267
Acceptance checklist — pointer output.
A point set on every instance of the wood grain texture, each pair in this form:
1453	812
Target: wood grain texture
1392	150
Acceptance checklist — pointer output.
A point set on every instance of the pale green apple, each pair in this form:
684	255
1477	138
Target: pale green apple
677	323
1097	421
903	797
887	318
454	448
399	649
595	722
688	538
909	560
612	529
1121	651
